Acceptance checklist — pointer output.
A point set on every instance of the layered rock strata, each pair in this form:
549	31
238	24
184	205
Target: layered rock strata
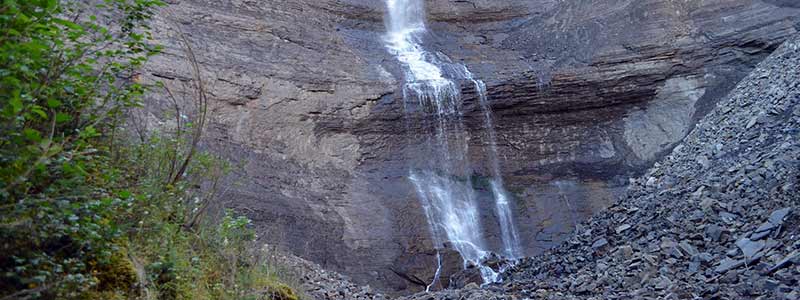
305	103
717	219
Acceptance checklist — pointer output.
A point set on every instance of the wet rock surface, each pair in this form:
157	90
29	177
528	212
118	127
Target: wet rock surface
726	226
305	103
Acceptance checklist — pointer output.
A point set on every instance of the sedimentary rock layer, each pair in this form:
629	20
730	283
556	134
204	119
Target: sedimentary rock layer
305	103
716	219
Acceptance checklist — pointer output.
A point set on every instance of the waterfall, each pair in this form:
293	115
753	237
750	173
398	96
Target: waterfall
510	237
443	179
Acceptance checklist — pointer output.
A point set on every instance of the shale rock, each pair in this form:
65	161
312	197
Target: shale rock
752	176
306	102
317	283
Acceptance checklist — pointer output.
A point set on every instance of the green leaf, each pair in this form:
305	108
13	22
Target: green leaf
23	18
15	102
32	135
67	168
89	132
53	103
62	117
52	4
68	24
39	111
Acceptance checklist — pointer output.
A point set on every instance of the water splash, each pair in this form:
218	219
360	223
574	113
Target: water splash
405	27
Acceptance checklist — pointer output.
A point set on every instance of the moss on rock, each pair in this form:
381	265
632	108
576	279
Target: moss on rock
282	292
117	275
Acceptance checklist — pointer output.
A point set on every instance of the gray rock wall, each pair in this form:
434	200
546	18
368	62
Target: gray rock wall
587	93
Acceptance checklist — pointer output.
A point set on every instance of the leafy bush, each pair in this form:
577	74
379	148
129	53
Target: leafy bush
64	82
86	212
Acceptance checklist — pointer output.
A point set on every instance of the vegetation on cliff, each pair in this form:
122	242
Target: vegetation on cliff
89	207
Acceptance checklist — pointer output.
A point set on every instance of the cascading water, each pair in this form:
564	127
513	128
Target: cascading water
511	243
443	181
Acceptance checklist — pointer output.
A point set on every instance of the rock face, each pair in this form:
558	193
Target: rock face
305	103
717	219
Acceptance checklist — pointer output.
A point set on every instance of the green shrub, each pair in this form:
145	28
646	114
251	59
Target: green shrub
64	83
86	211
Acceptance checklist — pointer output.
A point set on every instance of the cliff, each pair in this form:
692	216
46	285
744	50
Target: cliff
716	219
305	101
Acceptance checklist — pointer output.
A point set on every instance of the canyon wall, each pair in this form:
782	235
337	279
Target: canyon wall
305	103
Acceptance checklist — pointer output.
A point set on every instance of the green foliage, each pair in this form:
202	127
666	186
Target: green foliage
64	80
85	213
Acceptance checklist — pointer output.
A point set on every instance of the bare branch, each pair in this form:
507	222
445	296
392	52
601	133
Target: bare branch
201	101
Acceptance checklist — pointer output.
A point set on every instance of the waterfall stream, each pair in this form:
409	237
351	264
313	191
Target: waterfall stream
443	182
511	243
